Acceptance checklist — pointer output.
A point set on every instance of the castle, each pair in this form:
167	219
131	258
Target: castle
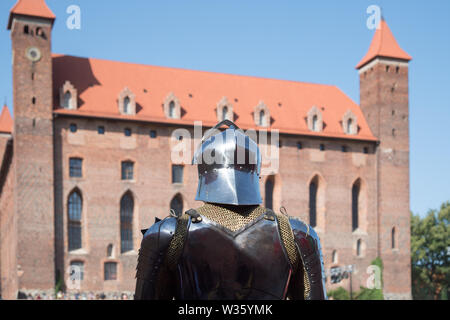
86	159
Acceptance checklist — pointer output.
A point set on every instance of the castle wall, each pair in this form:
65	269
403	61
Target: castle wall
8	229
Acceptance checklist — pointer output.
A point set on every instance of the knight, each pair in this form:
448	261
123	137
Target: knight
231	248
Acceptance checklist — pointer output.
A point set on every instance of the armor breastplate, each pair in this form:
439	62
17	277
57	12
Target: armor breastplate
217	263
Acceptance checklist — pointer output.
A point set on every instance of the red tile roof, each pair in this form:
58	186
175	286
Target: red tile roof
6	121
384	45
99	83
34	8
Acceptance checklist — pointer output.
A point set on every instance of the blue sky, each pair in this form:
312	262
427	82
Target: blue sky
314	41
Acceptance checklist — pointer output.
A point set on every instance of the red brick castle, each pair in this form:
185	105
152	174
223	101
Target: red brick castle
86	159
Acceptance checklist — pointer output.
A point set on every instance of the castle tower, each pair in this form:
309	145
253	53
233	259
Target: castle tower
383	74
31	22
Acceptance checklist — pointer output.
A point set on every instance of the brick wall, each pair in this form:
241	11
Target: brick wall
33	147
8	231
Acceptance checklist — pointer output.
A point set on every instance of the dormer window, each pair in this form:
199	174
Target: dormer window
126	105
225	113
314	120
262	115
172	108
315	126
262	118
349	123
67	100
127	102
68	96
224	110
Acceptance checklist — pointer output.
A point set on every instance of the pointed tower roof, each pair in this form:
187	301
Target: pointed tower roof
384	45
6	121
32	8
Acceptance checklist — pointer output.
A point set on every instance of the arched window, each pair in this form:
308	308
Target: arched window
172	109
262	118
314	123
74	207
126	105
349	125
313	202
358	247
393	244
176	204
334	257
126	222
26	29
224	113
109	251
355	204
269	193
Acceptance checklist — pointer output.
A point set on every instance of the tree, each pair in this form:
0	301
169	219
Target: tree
430	254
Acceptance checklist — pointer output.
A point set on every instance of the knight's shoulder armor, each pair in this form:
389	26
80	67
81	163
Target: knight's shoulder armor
298	226
161	232
310	249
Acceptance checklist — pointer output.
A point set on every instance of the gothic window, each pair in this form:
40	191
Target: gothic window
74	207
127	102
75	167
314	120
172	109
224	113
40	33
314	123
355	204
313	186
67	102
109	251
262	118
262	115
268	199
68	96
176	204
359	248
126	222
349	123
110	271
334	257
127	170
126	105
224	110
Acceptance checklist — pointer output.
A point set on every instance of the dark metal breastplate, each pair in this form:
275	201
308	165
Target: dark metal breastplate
217	263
